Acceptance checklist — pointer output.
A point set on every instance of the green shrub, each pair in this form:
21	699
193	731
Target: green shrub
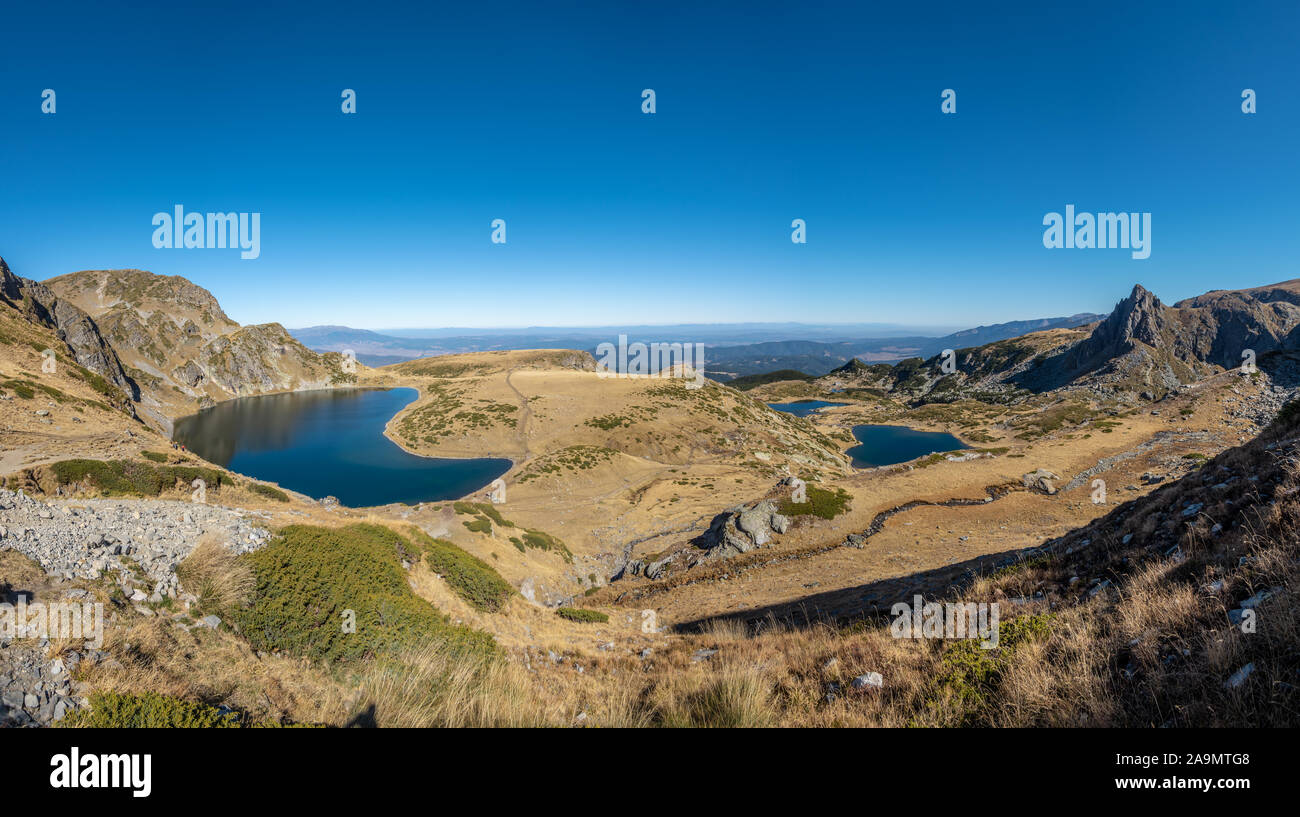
484	514
268	491
490	511
609	422
471	578
308	576
581	614
544	541
154	456
821	503
969	675
112	710
128	477
22	388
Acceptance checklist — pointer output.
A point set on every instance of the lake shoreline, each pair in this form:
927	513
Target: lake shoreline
322	442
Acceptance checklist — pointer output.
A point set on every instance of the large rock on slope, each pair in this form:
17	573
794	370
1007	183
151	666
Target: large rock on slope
742	529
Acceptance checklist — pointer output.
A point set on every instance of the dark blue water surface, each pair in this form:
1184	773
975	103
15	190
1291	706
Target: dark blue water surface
803	408
330	443
886	445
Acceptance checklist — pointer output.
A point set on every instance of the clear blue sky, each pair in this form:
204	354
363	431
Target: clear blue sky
531	112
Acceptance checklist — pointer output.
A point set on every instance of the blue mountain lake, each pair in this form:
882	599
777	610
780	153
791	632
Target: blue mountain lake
330	443
887	445
803	408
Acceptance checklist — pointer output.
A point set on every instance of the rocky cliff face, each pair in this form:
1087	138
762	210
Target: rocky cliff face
181	347
40	305
1143	347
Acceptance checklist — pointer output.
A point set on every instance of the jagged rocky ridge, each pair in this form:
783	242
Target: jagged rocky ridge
1143	347
40	305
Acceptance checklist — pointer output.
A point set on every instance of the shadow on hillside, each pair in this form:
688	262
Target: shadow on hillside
9	594
365	719
1056	371
871	600
1283	368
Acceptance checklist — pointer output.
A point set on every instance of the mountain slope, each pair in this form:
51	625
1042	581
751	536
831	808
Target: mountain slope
41	306
1142	348
182	349
1144	345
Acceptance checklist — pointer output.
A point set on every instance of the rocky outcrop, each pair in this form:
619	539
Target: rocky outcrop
742	529
42	306
738	530
1142	348
1146	347
1040	481
1139	318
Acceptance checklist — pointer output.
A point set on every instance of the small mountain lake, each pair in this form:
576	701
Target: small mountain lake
330	443
887	445
802	408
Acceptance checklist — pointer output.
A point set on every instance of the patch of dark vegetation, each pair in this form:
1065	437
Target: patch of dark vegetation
749	381
131	478
581	615
311	581
609	422
269	491
471	578
113	710
821	503
970	675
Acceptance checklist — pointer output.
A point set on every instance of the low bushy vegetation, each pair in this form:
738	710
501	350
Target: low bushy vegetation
822	503
470	577
542	540
485	514
609	422
113	710
268	491
969	674
1053	418
749	381
311	581
131	478
581	615
573	458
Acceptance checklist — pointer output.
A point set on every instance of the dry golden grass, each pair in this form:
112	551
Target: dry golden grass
432	687
154	655
216	576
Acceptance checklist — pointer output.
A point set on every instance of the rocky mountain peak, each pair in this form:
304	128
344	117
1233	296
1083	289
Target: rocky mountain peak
1139	317
9	285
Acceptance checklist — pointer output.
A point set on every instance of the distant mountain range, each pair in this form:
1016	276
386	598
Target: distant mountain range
732	350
